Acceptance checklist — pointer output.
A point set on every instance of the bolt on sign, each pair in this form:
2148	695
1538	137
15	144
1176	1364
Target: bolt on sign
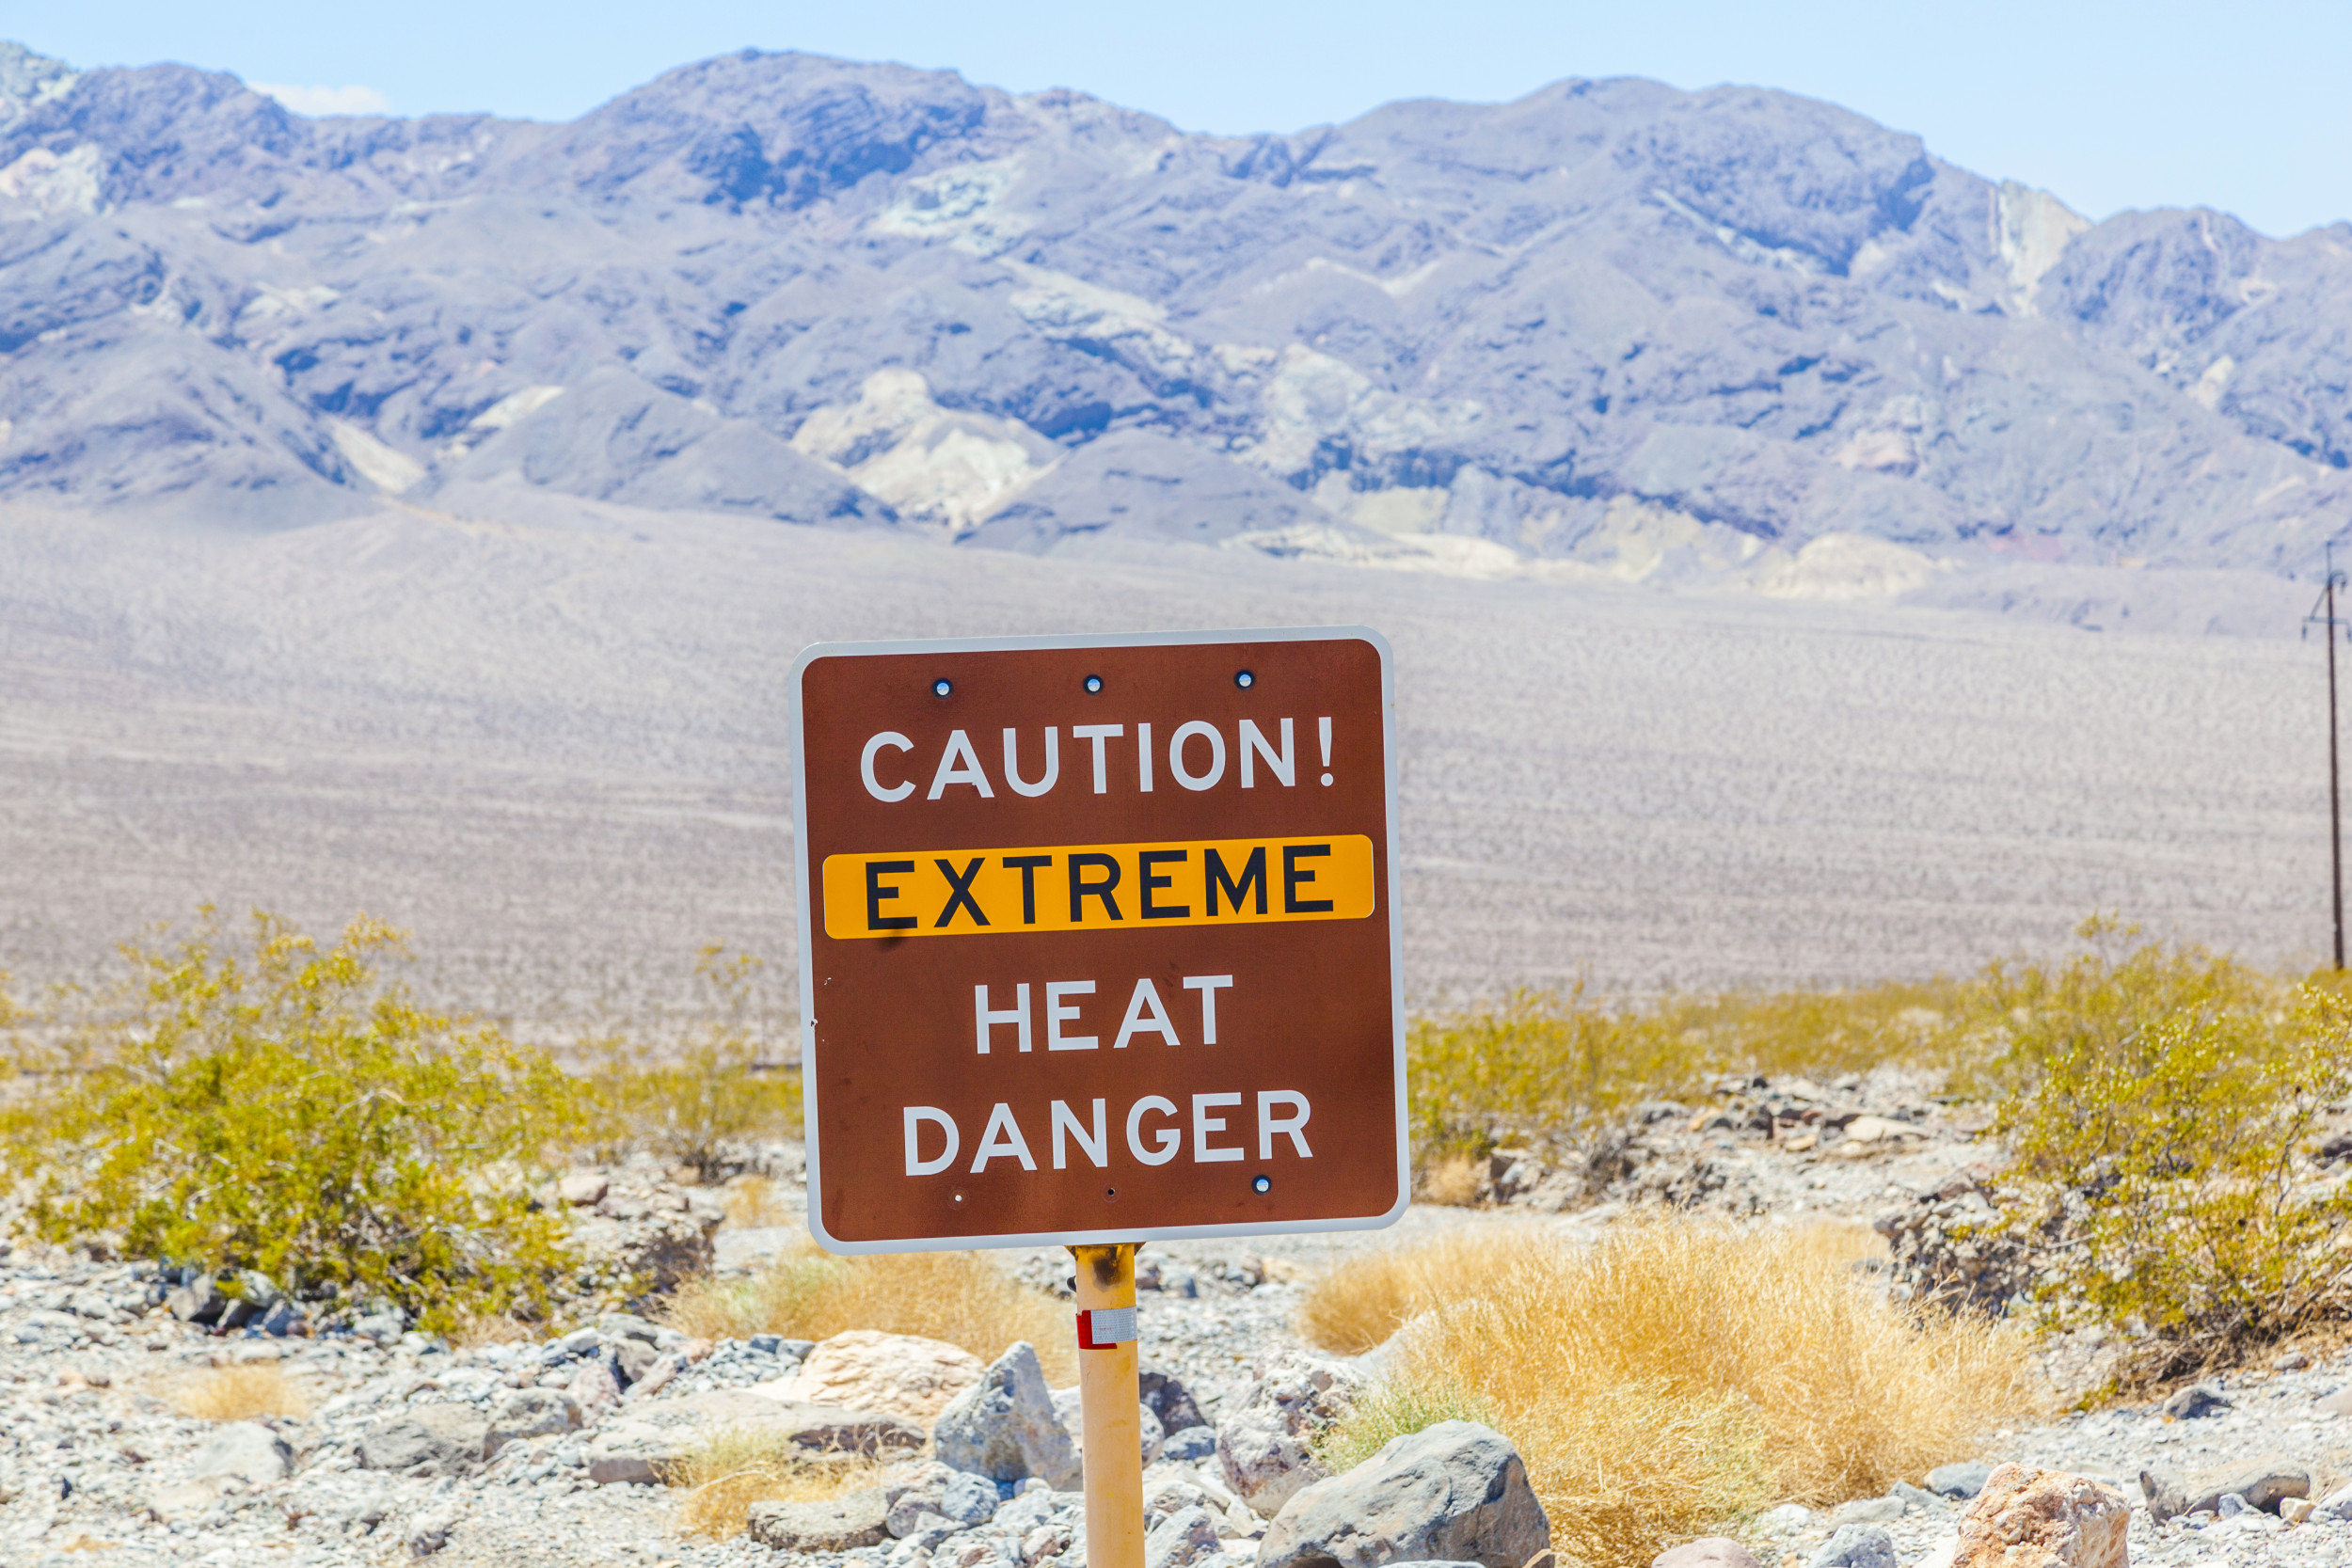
1099	937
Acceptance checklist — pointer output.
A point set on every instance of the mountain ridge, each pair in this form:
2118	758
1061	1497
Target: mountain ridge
1610	323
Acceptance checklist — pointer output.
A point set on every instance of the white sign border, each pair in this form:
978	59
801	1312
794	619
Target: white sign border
815	651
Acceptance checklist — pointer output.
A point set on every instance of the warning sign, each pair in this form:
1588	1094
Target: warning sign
1097	937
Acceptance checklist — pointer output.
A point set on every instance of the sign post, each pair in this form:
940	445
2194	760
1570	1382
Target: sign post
1099	943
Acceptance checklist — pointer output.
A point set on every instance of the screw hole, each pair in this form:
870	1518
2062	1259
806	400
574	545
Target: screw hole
1262	1183
1245	680
1094	685
941	687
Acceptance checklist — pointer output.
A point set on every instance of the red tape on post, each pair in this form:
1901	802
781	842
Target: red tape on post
1100	1327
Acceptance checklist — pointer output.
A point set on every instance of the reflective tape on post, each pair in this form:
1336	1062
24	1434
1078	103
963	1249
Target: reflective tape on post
1105	1326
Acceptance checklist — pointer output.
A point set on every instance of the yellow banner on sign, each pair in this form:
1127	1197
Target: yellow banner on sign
1098	887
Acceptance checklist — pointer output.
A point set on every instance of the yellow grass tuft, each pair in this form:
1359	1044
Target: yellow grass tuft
1453	1180
962	1297
237	1393
729	1470
751	1202
1675	1377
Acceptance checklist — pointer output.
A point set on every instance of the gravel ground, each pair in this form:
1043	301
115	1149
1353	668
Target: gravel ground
96	1463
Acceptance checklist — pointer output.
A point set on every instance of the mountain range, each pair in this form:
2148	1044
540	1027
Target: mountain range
1608	327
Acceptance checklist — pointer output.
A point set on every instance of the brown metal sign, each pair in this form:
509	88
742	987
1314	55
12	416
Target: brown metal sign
1097	937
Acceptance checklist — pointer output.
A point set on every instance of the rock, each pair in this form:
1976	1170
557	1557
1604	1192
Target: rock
2229	1505
1964	1479
630	1453
2296	1511
1879	1130
583	1189
1190	1443
1452	1492
198	1301
1265	1445
1913	1496
902	1373
816	1428
2293	1361
2337	1403
1867	1511
968	1499
281	1318
1184	1538
2336	1507
2029	1518
1004	1426
632	1360
2198	1399
1787	1516
428	1532
529	1413
844	1524
1168	1401
596	1388
657	1376
247	1450
428	1439
1715	1551
1856	1547
2262	1480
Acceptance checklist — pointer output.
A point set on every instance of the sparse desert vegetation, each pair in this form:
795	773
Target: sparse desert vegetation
964	1298
1673	1376
726	1472
237	1393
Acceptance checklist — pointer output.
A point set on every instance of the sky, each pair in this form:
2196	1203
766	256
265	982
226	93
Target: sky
2111	106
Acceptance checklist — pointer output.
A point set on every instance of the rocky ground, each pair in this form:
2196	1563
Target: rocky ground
101	1461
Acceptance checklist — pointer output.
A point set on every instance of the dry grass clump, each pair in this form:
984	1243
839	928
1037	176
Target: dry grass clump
1453	1180
730	1469
1675	1376
237	1393
962	1297
753	1202
1366	1299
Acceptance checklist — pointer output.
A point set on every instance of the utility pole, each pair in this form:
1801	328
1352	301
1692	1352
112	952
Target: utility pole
2324	613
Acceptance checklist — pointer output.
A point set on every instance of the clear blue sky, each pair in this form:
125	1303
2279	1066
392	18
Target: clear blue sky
2246	108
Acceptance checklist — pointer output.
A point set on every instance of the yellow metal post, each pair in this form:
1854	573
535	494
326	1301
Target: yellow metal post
1109	1397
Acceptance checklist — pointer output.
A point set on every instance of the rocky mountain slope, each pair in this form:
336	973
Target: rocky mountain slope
1610	323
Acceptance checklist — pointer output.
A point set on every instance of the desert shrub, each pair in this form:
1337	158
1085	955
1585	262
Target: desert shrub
687	1098
964	1298
1676	1376
1555	1067
2161	1106
724	1472
237	1393
266	1105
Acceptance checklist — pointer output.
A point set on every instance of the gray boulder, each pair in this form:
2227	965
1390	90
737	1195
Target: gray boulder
529	1413
1266	1445
1455	1492
1964	1479
245	1451
1856	1547
1182	1539
1168	1399
846	1523
427	1440
2336	1507
1004	1427
1866	1511
1715	1551
2201	1399
2264	1481
198	1301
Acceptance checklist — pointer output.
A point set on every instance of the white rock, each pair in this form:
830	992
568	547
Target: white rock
245	1450
902	1373
1265	1447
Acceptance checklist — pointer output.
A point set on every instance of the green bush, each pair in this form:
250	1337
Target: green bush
264	1104
2160	1105
688	1100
